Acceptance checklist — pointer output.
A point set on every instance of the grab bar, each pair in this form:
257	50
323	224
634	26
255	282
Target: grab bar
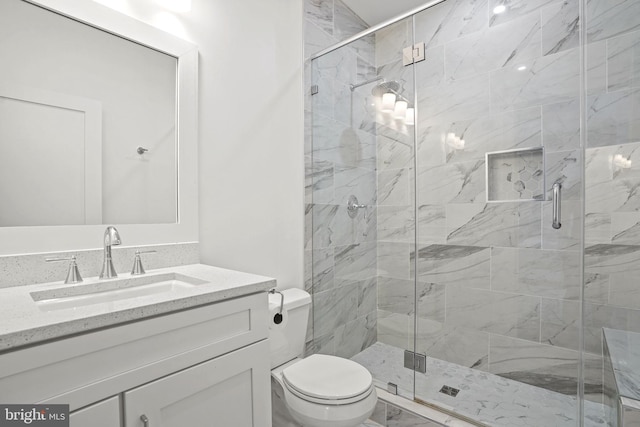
557	187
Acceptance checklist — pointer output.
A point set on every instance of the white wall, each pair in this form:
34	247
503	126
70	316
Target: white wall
251	169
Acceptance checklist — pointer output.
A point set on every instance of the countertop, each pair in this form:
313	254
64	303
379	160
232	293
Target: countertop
23	322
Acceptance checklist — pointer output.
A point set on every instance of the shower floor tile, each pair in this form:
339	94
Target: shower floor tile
487	398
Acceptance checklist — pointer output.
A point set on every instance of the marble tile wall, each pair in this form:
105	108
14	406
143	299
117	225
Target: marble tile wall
340	158
498	288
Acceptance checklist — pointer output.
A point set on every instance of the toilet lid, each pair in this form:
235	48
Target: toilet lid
328	377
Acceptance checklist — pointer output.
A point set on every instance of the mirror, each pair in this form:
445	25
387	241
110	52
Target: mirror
98	125
87	124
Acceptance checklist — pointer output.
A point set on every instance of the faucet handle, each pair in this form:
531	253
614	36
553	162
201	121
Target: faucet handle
137	263
73	275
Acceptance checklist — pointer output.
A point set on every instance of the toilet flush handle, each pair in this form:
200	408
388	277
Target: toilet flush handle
278	317
144	420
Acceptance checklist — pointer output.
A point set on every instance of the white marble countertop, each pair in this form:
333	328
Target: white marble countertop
23	322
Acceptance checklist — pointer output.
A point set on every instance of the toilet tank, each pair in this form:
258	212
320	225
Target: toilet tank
287	335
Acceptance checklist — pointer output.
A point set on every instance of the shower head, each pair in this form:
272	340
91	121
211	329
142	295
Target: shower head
385	87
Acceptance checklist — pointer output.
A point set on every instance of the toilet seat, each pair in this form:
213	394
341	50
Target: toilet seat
328	380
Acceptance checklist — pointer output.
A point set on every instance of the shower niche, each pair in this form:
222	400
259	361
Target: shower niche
515	175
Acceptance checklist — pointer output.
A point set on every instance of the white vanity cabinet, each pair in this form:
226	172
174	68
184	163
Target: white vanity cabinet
226	391
199	367
101	414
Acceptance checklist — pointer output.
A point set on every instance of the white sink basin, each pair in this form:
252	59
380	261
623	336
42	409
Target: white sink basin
74	296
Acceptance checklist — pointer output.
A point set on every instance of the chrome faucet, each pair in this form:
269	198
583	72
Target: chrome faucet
111	238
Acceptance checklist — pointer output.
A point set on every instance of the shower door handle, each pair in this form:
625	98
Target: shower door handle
556	194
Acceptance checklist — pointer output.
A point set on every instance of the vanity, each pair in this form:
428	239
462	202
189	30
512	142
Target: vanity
187	347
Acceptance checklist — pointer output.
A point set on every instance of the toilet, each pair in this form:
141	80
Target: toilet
319	390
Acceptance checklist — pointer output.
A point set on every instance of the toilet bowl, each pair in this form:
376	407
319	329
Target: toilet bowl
319	390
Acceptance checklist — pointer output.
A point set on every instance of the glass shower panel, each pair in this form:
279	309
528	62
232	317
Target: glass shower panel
612	210
498	288
363	204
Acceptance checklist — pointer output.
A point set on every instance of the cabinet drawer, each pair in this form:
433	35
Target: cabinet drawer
101	414
126	356
231	390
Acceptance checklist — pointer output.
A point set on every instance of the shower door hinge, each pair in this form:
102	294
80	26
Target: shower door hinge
413	54
314	89
415	361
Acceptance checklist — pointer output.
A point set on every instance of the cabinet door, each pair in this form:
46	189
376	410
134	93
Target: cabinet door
101	414
231	390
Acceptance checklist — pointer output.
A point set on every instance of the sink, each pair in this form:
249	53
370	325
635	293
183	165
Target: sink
113	290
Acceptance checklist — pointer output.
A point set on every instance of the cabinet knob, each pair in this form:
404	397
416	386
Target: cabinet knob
145	420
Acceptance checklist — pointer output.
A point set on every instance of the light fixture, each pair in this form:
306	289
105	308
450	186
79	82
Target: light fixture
410	118
180	6
522	68
388	101
400	110
499	9
621	162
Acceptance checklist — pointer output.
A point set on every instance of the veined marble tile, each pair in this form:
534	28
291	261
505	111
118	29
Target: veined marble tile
496	47
308	271
393	187
308	226
322	104
613	118
560	26
320	12
394	259
449	20
561	130
367	296
346	24
430	72
319	181
611	18
597	68
462	346
560	323
391	40
396	417
597	228
598	316
554	274
354	181
393	154
486	133
567	237
495	224
355	336
396	295
432	224
462	182
564	167
323	267
484	397
536	364
625	228
320	345
356	262
513	315
333	308
394	329
453	101
396	223
596	287
365	70
363	110
547	80
338	65
315	38
515	175
624	61
516	9
467	266
624	352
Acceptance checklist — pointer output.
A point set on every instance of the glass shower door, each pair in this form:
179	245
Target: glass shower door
498	287
362	205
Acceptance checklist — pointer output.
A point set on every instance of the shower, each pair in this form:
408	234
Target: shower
459	290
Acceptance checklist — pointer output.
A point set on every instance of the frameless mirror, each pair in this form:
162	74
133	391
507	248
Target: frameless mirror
88	124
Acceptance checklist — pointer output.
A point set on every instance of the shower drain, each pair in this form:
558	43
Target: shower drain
449	391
